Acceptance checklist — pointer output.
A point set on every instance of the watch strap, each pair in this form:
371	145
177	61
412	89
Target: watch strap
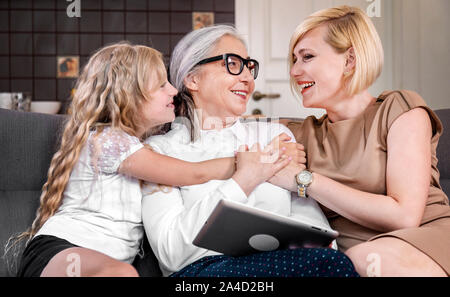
302	191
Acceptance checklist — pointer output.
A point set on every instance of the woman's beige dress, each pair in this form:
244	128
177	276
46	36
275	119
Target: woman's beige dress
354	152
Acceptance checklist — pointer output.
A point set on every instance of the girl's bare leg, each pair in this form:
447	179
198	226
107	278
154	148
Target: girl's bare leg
86	262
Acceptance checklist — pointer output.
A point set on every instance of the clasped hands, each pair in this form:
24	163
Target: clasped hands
277	163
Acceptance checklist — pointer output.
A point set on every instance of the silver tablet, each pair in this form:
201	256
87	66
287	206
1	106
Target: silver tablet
237	229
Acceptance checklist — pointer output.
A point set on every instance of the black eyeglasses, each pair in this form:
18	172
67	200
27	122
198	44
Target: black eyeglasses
235	64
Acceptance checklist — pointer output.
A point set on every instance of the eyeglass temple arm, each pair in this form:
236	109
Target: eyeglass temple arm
212	59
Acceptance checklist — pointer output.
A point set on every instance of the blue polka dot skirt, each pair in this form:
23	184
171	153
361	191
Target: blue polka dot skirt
301	262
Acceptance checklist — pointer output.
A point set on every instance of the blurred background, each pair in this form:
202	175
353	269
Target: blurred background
44	45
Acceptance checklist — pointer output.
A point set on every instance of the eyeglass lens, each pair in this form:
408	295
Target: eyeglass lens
236	65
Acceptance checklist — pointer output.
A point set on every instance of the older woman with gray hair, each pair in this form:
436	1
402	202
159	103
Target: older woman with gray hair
215	77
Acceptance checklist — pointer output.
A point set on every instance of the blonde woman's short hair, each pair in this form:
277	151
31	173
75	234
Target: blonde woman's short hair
347	27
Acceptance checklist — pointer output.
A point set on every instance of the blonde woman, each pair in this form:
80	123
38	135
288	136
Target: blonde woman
372	159
90	207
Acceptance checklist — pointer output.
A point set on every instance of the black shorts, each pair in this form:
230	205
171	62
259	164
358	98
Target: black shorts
39	251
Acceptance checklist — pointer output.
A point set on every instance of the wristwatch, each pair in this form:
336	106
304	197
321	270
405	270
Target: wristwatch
304	178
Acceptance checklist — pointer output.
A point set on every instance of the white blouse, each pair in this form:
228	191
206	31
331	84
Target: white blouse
173	217
101	208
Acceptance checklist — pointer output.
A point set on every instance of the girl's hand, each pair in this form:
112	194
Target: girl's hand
293	149
256	166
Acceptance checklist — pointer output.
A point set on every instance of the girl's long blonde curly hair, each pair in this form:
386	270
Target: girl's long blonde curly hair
109	92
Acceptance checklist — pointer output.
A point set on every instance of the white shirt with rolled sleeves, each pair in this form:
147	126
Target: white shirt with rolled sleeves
172	218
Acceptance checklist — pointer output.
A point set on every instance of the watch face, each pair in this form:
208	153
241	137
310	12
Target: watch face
304	177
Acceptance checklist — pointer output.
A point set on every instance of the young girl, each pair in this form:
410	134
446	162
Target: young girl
89	220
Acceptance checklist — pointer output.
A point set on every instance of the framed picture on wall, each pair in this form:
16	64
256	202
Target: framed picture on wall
67	66
202	19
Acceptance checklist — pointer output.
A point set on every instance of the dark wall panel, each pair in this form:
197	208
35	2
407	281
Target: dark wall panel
33	33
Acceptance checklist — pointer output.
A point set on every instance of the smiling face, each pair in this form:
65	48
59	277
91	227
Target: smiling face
215	91
159	109
319	69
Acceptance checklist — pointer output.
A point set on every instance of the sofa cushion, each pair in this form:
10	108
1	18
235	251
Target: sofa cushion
17	211
29	141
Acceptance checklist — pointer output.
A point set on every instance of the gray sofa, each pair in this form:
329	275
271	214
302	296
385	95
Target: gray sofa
28	141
